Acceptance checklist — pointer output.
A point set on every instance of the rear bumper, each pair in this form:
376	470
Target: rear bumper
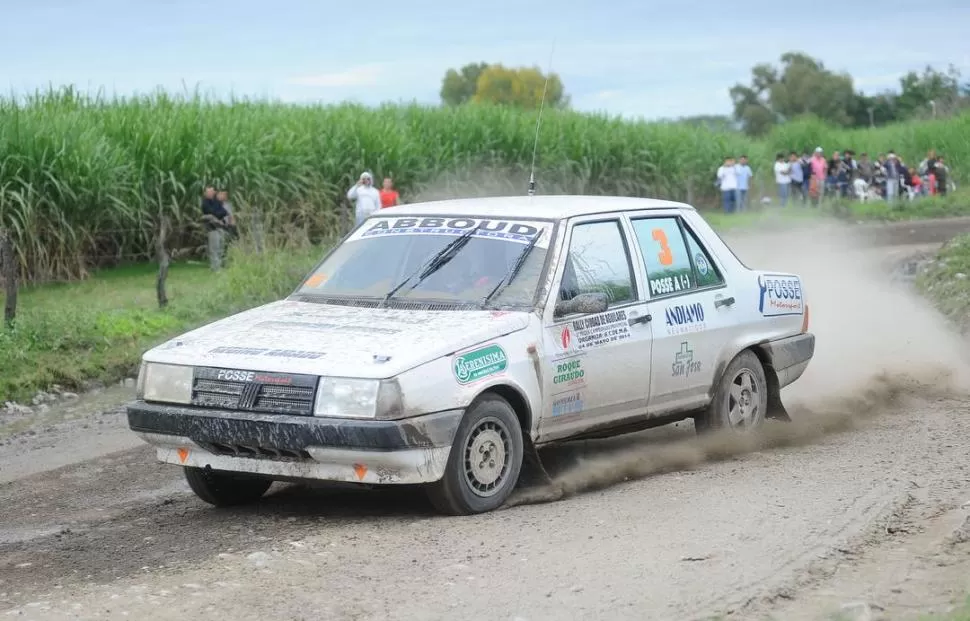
409	451
789	357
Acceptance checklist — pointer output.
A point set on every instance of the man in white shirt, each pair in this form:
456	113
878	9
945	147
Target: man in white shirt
782	178
366	197
727	181
744	176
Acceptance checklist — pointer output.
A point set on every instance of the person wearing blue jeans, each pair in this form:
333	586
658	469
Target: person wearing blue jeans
744	175
727	182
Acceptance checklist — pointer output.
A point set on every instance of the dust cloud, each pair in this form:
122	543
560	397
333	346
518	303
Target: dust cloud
880	348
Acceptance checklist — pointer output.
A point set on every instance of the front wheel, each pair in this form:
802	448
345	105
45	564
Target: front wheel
741	399
224	489
485	460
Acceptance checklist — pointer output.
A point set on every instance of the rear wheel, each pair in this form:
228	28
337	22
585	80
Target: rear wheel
741	399
224	489
485	460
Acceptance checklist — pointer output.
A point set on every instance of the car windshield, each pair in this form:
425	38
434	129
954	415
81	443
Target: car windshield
385	252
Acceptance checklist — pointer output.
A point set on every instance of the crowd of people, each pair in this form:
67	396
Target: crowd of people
813	178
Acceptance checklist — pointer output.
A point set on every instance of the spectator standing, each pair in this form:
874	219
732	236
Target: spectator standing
223	197
782	178
797	175
894	172
744	177
366	198
727	181
214	220
819	170
866	169
389	196
942	176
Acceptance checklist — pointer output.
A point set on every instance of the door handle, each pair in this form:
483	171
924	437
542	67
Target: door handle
641	319
725	302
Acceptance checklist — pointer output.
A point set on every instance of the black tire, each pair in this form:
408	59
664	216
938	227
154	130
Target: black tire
753	392
225	489
461	491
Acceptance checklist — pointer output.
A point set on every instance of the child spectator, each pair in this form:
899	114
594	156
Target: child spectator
744	175
389	196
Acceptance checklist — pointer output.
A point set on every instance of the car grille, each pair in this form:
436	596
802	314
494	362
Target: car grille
254	391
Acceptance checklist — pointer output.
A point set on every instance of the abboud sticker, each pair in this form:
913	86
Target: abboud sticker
780	294
479	363
519	231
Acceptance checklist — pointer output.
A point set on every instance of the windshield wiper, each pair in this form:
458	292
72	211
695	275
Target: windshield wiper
519	262
435	263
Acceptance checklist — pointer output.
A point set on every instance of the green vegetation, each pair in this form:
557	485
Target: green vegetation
97	329
946	281
803	86
83	182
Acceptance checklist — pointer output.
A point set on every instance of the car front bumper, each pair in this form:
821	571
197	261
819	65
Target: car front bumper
409	451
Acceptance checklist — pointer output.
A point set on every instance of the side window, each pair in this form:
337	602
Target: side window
598	262
705	272
665	255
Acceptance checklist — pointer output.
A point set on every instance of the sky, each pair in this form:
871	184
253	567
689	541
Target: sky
636	59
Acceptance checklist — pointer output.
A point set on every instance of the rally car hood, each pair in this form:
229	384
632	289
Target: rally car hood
322	339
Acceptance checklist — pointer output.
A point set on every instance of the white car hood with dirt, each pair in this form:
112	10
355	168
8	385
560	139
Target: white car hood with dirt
323	339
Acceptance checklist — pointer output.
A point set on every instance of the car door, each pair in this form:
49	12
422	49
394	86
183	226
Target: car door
693	309
596	366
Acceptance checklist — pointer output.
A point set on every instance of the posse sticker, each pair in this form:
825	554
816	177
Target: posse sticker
684	363
568	404
703	267
780	295
600	329
669	284
510	230
480	363
569	373
685	318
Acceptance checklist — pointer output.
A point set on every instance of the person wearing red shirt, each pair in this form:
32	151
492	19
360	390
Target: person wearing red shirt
389	196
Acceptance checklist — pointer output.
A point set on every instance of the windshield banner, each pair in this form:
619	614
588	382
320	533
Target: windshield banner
520	231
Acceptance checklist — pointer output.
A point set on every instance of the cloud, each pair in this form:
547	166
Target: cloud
362	75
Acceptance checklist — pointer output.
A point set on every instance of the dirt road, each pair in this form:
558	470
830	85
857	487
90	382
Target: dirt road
863	501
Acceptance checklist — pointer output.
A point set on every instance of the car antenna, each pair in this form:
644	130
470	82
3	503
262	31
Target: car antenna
535	144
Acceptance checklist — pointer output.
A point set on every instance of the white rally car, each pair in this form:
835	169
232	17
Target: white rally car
440	343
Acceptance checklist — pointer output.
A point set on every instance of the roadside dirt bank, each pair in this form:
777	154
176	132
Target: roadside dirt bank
861	499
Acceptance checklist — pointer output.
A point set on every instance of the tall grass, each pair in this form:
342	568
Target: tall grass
84	181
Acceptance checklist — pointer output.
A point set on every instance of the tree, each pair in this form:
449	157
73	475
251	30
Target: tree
495	83
924	94
458	87
521	87
802	85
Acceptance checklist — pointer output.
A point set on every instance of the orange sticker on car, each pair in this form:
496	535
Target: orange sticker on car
316	280
183	454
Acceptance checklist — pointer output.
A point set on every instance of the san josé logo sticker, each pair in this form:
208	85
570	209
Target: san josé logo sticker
479	363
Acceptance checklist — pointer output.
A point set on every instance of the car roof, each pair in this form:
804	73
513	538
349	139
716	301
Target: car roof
554	207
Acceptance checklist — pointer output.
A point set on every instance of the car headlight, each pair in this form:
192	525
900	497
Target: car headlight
342	397
167	383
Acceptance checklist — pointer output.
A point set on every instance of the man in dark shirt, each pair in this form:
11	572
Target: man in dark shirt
214	221
211	206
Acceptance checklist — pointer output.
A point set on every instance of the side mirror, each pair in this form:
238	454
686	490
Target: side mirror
584	303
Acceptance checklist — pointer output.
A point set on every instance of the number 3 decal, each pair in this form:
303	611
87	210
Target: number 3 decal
665	255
